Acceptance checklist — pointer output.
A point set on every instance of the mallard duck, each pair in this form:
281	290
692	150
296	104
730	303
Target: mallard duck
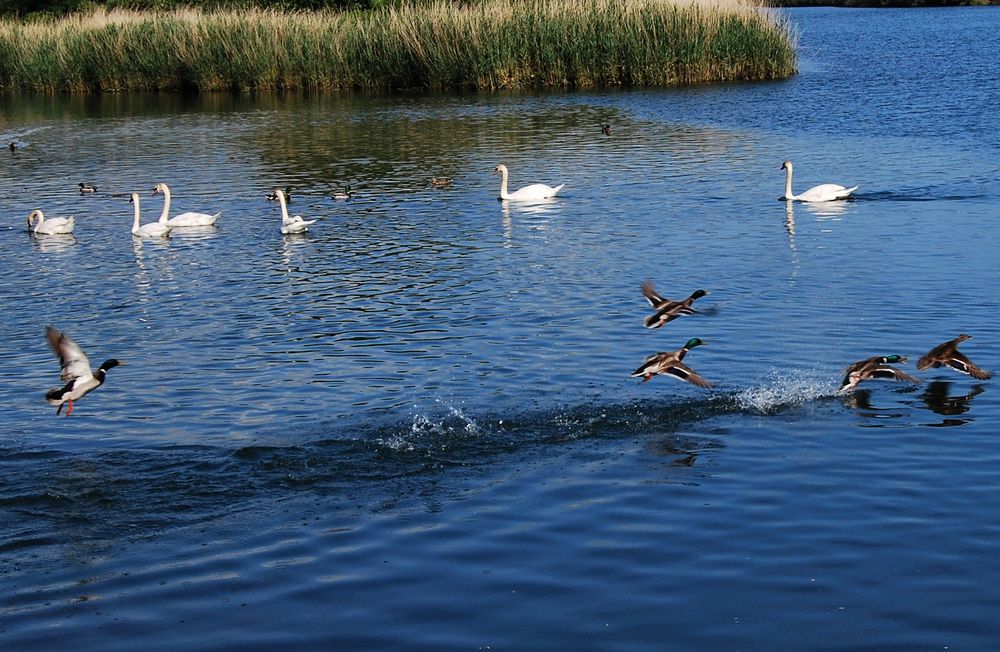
344	194
86	187
948	355
528	193
75	369
293	224
823	192
151	230
51	226
12	146
441	182
184	219
667	310
876	367
606	130
669	362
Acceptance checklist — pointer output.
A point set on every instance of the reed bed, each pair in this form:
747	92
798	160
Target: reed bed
485	44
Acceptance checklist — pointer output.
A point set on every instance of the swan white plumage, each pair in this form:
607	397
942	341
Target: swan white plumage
184	219
528	193
151	230
823	192
293	224
51	226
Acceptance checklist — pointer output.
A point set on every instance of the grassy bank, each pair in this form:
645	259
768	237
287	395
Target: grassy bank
488	45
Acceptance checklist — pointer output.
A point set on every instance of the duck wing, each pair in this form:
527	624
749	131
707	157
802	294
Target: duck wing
656	300
72	359
687	374
959	362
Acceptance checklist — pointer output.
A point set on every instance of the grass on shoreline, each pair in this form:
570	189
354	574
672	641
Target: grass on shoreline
487	44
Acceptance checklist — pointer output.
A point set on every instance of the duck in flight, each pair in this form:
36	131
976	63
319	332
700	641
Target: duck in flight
81	379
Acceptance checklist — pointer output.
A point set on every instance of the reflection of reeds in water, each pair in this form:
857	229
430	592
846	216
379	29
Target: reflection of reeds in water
488	44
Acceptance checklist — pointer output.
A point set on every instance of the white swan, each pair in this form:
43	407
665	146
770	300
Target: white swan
51	226
823	192
527	193
293	224
151	230
184	219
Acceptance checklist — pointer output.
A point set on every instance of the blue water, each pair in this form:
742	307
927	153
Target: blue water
414	427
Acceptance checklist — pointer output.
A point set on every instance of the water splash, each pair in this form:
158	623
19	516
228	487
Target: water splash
785	388
430	431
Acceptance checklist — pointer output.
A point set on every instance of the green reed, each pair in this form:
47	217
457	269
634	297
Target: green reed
485	44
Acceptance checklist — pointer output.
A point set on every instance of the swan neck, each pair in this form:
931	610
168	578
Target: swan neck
39	216
788	184
503	184
135	214
165	213
284	207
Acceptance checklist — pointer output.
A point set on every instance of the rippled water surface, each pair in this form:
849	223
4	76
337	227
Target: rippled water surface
414	426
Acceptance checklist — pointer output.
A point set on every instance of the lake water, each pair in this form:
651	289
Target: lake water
414	427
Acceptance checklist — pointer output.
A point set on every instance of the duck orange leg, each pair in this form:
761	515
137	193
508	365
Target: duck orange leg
69	410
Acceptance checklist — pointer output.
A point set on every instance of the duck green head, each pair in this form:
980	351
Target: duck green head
892	359
693	342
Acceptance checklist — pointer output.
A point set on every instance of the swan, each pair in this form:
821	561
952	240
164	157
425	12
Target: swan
151	230
293	224
184	219
527	193
823	192
51	226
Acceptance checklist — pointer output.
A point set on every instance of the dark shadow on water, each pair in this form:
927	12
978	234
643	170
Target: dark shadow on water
938	399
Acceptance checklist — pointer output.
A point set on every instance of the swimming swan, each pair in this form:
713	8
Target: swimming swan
823	192
51	226
184	219
293	224
151	230
527	193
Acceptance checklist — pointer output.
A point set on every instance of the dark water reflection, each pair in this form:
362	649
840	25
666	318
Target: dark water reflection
413	425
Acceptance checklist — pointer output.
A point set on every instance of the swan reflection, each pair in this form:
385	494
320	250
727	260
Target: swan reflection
51	244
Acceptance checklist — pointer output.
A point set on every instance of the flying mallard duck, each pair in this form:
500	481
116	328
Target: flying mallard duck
948	355
669	362
86	187
876	367
667	310
75	369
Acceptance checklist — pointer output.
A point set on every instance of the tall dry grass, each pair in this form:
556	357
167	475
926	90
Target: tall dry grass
486	44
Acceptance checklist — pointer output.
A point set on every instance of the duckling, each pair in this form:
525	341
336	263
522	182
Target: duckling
344	194
948	355
75	369
86	187
606	130
667	310
441	182
669	362
876	367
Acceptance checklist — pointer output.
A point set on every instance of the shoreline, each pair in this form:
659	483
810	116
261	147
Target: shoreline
492	45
